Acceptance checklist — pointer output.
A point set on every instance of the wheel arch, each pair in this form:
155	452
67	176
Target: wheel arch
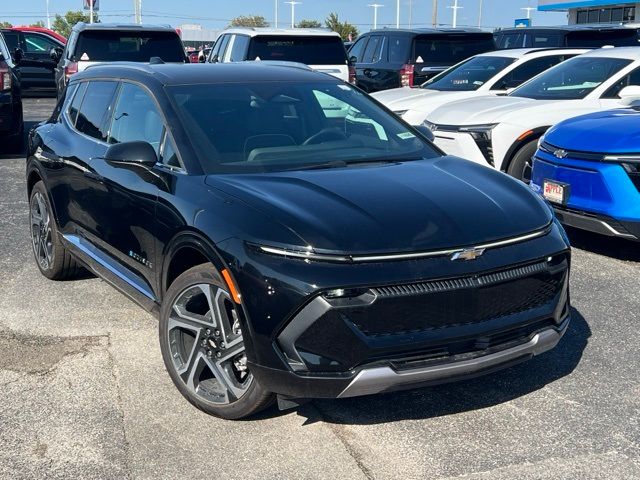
186	250
535	133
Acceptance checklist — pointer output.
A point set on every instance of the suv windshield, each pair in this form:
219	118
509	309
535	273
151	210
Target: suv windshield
469	75
128	45
617	38
275	126
572	79
310	50
447	49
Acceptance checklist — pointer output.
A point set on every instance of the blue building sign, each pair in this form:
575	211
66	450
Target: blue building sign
550	5
522	22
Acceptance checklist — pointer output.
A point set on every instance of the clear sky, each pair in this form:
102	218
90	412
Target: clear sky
217	13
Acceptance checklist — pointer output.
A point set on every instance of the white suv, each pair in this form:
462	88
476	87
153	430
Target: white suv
491	73
322	50
503	131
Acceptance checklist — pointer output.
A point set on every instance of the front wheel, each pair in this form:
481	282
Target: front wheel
203	349
521	165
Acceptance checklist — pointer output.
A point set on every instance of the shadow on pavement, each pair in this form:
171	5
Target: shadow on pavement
452	398
601	244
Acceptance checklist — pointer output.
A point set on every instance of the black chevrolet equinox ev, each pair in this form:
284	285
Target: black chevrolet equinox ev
294	238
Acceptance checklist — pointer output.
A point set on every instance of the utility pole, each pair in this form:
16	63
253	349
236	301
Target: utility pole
397	13
455	9
293	4
528	10
375	7
276	19
434	16
410	13
137	11
48	17
90	11
480	15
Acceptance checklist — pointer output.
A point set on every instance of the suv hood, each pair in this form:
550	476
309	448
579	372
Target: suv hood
402	98
611	131
481	110
400	207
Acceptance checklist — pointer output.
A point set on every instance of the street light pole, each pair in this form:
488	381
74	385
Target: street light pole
410	13
434	13
90	11
293	4
455	9
276	15
397	13
528	10
375	7
480	15
48	17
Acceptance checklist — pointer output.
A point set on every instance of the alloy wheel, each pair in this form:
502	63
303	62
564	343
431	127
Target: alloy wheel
41	232
206	346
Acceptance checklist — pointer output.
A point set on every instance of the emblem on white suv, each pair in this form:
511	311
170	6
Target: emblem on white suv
468	254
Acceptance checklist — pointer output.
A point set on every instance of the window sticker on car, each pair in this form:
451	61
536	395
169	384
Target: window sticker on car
344	87
406	135
84	56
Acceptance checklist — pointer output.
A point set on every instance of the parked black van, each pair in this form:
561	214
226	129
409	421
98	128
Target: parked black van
586	36
392	58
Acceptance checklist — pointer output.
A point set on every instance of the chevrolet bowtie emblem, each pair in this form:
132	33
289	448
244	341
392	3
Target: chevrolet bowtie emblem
560	153
467	254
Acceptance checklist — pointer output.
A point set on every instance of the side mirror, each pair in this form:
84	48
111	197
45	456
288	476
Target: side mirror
215	58
202	59
55	53
132	153
428	134
629	95
18	55
353	59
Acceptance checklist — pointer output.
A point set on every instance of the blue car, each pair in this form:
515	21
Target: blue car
588	167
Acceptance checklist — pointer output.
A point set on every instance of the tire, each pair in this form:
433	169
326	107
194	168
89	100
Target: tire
202	347
520	166
53	260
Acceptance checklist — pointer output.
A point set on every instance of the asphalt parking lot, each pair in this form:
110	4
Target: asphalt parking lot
84	393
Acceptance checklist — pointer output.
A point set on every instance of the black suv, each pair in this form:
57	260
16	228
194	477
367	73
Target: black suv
37	67
293	236
106	42
392	58
11	123
586	36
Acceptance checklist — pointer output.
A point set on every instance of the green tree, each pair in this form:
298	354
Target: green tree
64	24
343	28
309	24
39	23
5	25
249	21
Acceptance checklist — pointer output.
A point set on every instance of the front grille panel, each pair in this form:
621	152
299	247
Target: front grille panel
406	309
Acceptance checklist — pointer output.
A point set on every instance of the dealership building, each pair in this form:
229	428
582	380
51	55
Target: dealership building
594	11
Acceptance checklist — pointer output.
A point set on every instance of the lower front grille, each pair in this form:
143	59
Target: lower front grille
405	309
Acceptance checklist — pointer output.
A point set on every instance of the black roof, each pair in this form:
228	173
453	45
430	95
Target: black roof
425	31
568	28
80	26
208	73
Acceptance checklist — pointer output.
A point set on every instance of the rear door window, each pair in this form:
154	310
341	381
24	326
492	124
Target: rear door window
239	48
373	52
449	49
546	40
95	109
130	46
310	50
398	49
511	40
136	118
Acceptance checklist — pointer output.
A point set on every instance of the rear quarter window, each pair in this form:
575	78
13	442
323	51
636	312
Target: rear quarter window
449	49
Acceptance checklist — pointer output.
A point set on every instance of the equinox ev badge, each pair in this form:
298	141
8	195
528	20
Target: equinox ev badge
467	254
560	153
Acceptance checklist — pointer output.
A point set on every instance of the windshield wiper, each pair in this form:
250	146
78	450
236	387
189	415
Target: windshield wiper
319	166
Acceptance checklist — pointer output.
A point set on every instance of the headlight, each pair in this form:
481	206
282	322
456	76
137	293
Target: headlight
540	141
479	132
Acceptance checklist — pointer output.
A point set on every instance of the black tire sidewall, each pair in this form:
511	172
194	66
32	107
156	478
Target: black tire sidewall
516	167
253	399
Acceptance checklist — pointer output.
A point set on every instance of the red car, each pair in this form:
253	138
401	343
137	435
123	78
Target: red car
37	67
